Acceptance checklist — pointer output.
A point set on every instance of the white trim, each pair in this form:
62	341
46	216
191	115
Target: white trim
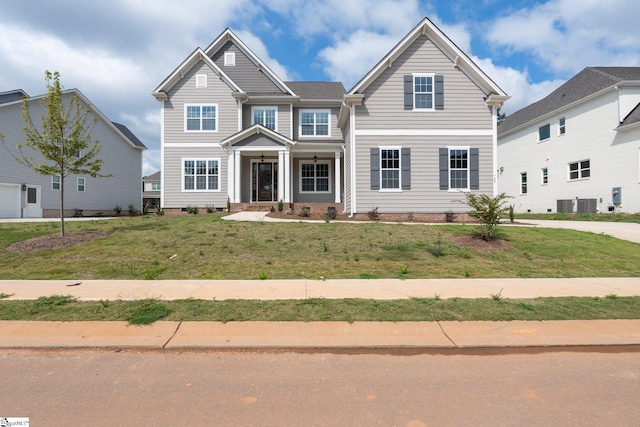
231	175
433	91
288	188
187	105
353	133
424	132
397	148
337	172
198	159
265	107
315	122
201	80
229	59
84	184
315	177
162	147
540	127
494	146
236	181
281	177
192	145
579	170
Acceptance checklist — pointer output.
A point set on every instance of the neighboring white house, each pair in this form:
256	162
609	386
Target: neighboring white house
151	191
407	138
26	194
578	149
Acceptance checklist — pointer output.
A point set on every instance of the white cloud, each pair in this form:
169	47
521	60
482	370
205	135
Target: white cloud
150	162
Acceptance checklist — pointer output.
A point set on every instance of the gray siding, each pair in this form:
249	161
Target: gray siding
245	73
336	133
425	195
283	124
186	92
120	159
174	196
383	107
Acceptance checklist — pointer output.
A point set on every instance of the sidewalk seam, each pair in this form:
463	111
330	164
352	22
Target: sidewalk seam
445	334
173	335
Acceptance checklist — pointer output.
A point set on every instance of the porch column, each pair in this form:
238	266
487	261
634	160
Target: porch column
287	177
231	166
336	179
281	175
236	190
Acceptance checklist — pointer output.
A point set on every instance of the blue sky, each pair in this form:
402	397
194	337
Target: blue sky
116	52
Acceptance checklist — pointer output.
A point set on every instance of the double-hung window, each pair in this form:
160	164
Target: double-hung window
562	129
423	92
155	186
314	177
545	176
523	183
459	168
314	123
201	118
55	182
201	175
81	185
579	170
265	116
390	168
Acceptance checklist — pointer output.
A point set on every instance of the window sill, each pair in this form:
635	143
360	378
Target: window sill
200	131
201	191
579	179
390	190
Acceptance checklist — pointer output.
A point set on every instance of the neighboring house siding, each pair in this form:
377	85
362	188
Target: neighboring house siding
614	159
464	104
425	194
244	73
174	195
186	92
120	159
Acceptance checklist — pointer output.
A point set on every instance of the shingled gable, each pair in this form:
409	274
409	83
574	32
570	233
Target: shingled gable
228	36
160	93
495	95
589	82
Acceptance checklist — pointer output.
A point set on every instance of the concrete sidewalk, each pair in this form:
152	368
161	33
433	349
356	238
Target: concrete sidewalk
314	335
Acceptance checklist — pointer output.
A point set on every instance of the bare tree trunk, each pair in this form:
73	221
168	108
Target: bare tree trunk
62	205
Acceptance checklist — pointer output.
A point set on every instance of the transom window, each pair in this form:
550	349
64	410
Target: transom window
314	123
459	168
201	118
55	182
544	132
314	177
81	184
579	170
201	175
523	183
423	92
390	168
265	116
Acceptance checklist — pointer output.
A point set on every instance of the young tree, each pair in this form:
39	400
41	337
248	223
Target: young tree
501	116
63	138
488	211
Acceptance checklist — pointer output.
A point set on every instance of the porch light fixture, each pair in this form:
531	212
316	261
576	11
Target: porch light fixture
24	187
315	159
262	157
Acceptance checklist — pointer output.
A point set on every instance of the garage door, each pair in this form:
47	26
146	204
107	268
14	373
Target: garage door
9	201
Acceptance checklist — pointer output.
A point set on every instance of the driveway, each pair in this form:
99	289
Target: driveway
619	230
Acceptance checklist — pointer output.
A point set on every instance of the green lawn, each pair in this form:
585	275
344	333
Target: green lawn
205	247
603	217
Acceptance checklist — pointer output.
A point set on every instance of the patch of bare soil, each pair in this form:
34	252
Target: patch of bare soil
53	241
477	244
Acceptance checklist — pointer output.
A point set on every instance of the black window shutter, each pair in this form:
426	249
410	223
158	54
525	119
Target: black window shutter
444	168
439	91
474	169
408	92
405	161
375	169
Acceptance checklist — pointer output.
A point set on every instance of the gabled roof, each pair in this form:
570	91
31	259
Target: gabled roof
632	119
228	35
153	177
255	130
325	91
460	59
588	82
119	129
198	55
12	95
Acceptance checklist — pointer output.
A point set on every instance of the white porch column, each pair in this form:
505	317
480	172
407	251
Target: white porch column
336	179
287	177
281	176
236	187
231	166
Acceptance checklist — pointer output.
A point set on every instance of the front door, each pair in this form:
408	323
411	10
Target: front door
32	209
264	182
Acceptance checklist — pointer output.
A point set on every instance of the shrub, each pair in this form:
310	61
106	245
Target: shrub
192	209
330	214
209	208
117	209
449	216
159	211
280	205
488	211
133	211
373	214
305	211
511	214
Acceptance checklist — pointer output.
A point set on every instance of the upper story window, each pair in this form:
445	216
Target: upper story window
230	59
201	175
201	118
265	116
201	80
561	127
544	132
314	123
580	170
155	186
423	92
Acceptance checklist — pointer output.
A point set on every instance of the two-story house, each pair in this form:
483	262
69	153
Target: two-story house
410	136
151	191
26	194
577	149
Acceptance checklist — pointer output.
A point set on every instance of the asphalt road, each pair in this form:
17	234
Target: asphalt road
138	388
